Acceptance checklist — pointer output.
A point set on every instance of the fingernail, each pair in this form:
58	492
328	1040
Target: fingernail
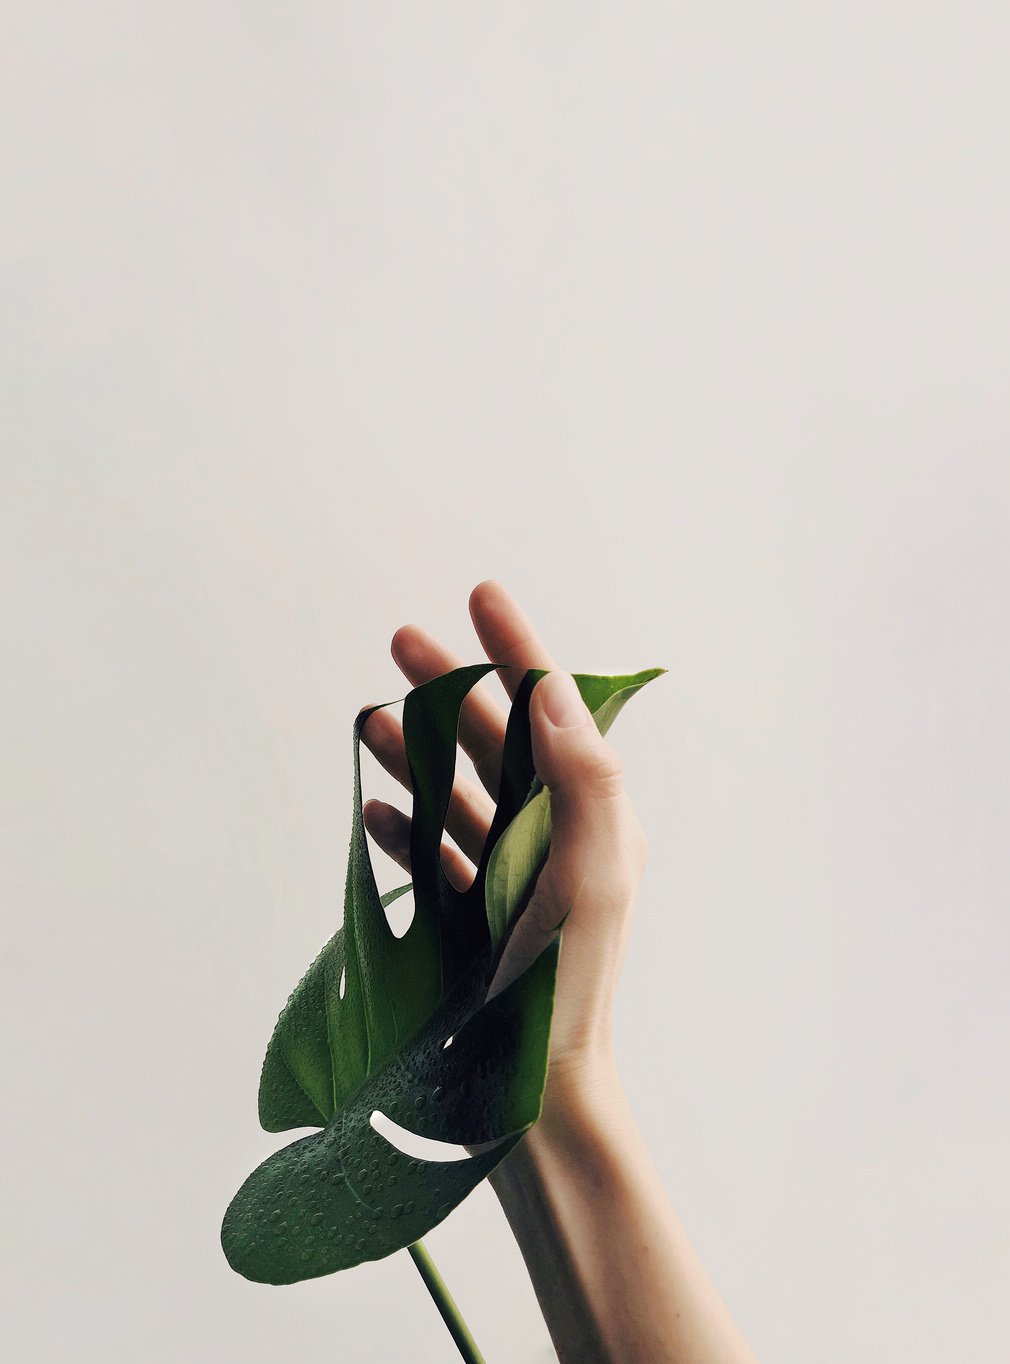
563	702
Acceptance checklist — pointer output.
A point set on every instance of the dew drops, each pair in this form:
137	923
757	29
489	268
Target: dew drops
420	1101
275	1215
395	1210
359	1243
316	1218
408	1208
438	1093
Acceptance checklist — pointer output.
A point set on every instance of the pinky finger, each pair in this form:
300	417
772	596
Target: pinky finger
390	828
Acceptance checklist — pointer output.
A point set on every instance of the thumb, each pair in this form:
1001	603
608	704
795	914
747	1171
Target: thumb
597	846
583	772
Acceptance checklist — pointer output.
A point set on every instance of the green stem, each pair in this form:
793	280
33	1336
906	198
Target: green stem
443	1300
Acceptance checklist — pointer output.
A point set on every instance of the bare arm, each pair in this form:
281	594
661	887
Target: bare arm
615	1275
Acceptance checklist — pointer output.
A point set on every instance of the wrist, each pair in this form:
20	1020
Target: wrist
580	1088
585	1125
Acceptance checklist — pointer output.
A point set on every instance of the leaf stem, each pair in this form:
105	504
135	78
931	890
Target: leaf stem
443	1300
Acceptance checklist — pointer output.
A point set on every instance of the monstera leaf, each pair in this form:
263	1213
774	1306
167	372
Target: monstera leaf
403	1026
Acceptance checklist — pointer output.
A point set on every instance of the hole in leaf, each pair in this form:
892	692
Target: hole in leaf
411	1144
448	1042
400	912
343	982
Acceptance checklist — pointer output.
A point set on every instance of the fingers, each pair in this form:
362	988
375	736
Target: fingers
470	809
390	828
509	639
506	634
481	724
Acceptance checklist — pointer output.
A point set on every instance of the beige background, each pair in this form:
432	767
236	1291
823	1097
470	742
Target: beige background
690	323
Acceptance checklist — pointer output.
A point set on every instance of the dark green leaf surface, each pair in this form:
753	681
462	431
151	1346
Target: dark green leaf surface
366	1028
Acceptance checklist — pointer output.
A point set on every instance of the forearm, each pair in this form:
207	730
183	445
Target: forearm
616	1277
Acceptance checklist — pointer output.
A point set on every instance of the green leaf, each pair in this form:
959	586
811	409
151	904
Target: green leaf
367	1028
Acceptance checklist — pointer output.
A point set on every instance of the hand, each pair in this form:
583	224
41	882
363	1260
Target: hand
598	848
614	1272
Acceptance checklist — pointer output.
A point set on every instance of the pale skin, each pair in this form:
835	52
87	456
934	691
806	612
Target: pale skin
616	1277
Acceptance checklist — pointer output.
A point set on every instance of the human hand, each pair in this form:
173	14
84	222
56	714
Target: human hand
612	1267
598	847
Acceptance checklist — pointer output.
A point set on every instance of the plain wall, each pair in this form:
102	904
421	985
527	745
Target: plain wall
691	325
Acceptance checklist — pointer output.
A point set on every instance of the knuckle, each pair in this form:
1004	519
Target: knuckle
481	750
605	771
486	758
